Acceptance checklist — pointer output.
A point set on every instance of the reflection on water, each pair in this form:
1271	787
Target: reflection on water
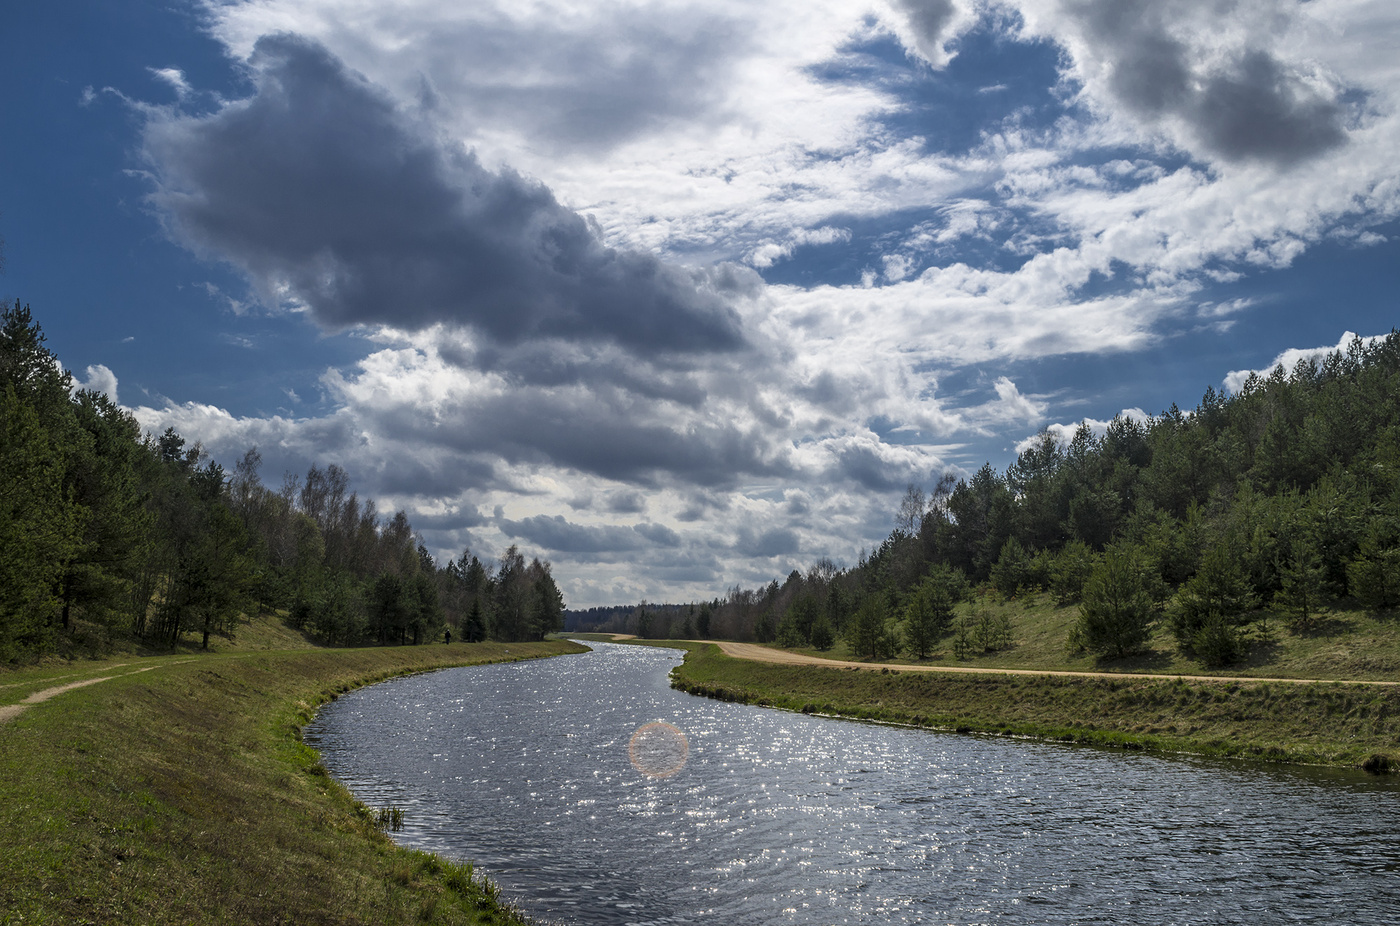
530	770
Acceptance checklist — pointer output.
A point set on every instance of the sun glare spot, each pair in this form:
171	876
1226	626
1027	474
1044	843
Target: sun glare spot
658	750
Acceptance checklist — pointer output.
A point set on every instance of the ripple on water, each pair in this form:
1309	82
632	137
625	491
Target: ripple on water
524	769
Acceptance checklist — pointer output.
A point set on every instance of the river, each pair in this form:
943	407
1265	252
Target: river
736	815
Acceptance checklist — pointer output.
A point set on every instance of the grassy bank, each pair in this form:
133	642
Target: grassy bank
178	791
1345	644
1328	724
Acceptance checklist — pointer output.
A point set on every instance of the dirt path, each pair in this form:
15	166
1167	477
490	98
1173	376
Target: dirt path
756	653
9	712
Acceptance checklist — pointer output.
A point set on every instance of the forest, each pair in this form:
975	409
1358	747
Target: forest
1251	514
109	535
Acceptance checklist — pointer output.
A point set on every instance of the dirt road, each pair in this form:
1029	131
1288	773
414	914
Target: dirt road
756	653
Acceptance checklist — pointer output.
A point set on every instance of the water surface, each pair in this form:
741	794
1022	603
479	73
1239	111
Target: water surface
775	817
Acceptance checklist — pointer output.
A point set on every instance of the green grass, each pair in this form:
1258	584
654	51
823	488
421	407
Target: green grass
183	794
1327	724
1346	645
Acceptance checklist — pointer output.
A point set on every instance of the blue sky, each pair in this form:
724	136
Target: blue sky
683	294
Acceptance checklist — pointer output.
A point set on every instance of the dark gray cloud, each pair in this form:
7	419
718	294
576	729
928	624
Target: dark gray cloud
1261	111
658	534
627	502
778	541
553	532
862	465
553	363
323	191
929	20
427	475
609	435
1254	108
590	88
454	522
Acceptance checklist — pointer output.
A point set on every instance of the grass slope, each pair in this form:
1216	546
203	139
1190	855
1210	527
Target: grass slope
178	791
1329	724
1346	645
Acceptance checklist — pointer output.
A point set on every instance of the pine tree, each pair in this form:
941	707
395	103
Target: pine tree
1119	607
1303	580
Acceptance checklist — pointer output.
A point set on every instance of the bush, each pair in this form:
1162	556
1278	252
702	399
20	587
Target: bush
1217	642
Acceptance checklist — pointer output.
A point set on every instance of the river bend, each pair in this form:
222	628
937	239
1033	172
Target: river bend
780	818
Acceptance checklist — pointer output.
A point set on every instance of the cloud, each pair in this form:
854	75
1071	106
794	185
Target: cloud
571	78
174	78
620	420
928	26
1189	145
606	542
99	379
1014	406
769	253
626	502
658	534
1064	433
563	536
1234	381
326	194
768	543
1205	67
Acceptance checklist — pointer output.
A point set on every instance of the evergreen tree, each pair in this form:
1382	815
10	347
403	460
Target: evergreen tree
476	629
1119	604
1070	570
1303	580
1012	571
823	638
928	614
39	529
1373	575
1212	605
869	634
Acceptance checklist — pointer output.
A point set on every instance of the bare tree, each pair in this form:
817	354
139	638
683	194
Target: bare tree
911	510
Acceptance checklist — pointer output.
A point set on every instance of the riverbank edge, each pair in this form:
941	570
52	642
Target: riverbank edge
181	792
1335	724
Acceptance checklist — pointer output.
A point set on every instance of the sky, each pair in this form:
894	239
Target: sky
683	294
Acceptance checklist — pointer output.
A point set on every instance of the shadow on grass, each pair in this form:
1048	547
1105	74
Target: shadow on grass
1152	661
1262	653
1324	625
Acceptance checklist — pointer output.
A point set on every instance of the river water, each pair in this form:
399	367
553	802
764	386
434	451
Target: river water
774	817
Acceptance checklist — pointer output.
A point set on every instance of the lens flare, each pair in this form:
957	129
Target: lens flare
658	750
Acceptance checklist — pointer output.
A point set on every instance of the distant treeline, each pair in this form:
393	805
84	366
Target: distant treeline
1267	505
106	533
669	619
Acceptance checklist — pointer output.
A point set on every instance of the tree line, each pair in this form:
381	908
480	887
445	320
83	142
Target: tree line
1249	515
108	533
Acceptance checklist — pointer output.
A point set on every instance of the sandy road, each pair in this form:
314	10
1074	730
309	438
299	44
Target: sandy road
756	653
